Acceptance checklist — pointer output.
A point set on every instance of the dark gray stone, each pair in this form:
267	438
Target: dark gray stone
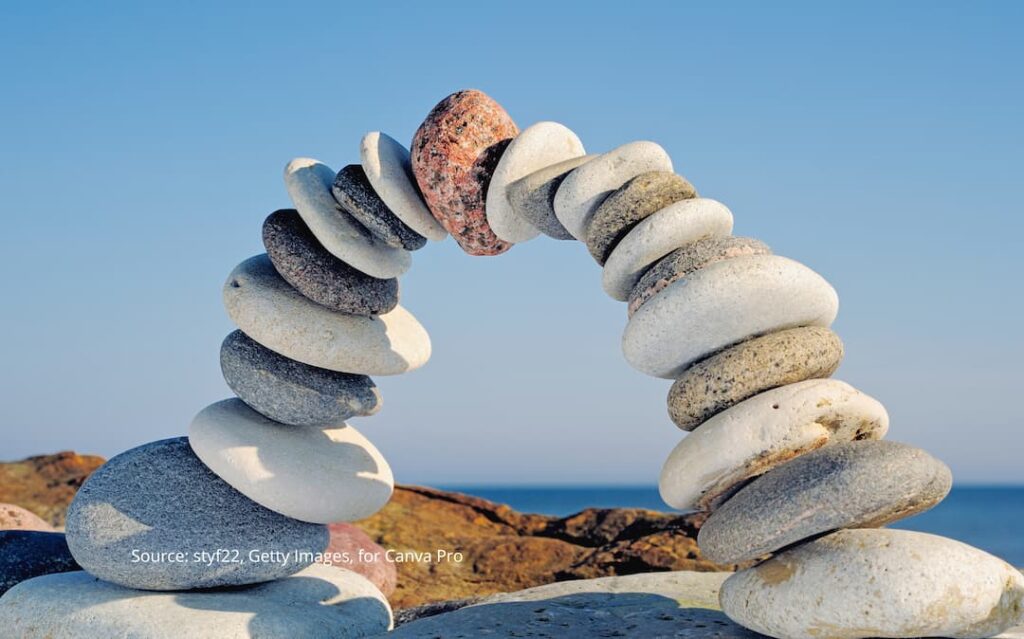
752	367
861	484
161	500
635	200
689	259
25	554
291	392
354	193
533	196
311	270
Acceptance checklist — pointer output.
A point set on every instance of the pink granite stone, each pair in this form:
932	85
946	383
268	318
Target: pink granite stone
353	549
454	153
17	518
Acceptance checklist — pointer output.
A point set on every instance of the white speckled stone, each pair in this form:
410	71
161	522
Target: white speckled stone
389	170
670	228
277	316
309	186
538	146
320	601
585	188
855	584
723	304
319	475
758	434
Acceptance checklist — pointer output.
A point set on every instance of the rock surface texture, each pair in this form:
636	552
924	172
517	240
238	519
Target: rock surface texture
25	554
46	484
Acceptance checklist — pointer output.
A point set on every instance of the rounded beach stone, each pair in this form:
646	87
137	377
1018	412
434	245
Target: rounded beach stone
277	316
387	166
351	548
855	584
25	554
145	519
309	186
317	602
318	475
533	197
353	192
17	518
291	392
723	304
583	190
862	484
668	229
538	146
763	432
751	367
454	154
311	270
688	259
632	202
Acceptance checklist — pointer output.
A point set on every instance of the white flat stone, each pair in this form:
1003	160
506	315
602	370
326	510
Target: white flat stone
658	235
757	434
863	583
538	146
387	166
723	304
320	601
277	316
319	475
585	188
309	186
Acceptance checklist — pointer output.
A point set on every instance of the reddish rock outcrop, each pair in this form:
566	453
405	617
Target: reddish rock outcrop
45	484
352	548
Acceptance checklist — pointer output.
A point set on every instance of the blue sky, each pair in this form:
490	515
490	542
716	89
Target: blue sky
142	146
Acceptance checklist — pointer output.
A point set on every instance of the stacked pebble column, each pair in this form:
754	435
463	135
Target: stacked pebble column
788	464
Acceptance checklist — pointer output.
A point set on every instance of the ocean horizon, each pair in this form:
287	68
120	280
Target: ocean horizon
990	517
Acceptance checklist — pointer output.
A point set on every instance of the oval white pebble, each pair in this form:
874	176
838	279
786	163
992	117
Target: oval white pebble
757	434
666	230
862	583
277	316
319	475
722	304
585	188
389	170
309	186
536	147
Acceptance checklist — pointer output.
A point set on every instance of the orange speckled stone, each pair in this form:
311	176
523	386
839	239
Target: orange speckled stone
454	153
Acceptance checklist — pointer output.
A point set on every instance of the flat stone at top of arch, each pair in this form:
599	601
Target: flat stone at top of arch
583	190
388	168
668	229
723	304
532	197
860	583
537	146
763	432
353	192
454	153
317	475
632	202
309	186
863	484
320	276
689	259
277	316
290	392
751	367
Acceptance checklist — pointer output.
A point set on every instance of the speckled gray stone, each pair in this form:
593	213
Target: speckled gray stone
311	270
632	202
291	392
862	484
354	193
692	257
25	554
159	498
748	368
533	196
